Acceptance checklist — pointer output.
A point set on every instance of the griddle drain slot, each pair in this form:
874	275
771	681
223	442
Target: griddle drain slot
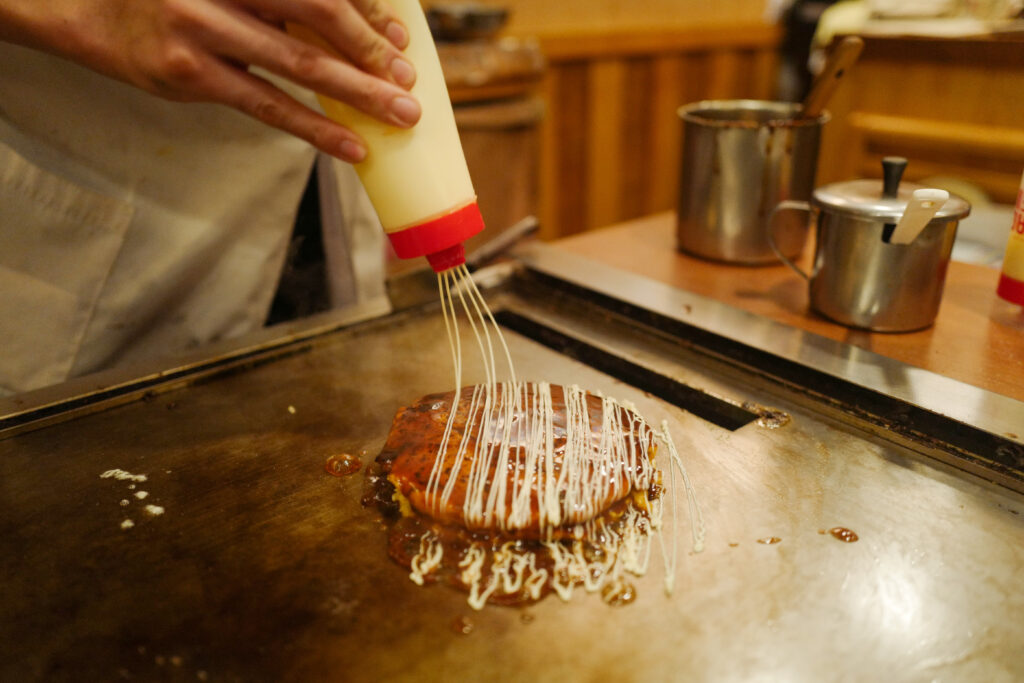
705	406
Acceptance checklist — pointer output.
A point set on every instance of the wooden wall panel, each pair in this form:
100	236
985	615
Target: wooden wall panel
990	157
724	74
543	17
605	131
667	90
612	137
951	106
565	154
634	146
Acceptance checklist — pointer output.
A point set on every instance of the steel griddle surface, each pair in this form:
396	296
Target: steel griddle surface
264	567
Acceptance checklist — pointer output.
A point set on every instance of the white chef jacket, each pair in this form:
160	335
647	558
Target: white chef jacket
133	227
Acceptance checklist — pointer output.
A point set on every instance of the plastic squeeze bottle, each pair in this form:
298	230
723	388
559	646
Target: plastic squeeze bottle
416	178
1011	282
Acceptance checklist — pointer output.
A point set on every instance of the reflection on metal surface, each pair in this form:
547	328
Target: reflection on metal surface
146	379
972	406
722	413
909	405
769	418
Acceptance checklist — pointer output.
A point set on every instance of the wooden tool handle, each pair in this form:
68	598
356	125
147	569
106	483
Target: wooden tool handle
840	58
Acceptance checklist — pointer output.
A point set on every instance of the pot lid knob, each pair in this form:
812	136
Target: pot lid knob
892	172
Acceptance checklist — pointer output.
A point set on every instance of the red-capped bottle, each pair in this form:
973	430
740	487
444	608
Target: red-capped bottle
1011	282
416	178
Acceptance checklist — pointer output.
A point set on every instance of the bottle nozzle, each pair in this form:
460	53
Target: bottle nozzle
440	238
441	261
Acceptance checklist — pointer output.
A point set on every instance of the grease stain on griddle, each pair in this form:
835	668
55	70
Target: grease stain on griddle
463	625
769	540
526	618
843	534
1008	509
342	465
769	418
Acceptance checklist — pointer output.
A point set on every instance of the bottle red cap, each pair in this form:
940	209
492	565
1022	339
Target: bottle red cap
1011	289
439	239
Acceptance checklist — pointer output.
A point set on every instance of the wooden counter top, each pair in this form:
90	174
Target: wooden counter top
977	338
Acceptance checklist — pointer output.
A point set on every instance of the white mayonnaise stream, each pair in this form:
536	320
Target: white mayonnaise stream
597	461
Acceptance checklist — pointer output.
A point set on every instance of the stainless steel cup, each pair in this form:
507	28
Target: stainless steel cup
739	159
860	280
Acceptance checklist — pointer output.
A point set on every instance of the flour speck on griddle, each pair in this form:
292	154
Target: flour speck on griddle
122	475
131	479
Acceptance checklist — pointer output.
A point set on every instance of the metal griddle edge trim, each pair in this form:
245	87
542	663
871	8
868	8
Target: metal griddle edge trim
970	448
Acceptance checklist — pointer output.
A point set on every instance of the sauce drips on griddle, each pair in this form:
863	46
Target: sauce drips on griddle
342	465
769	540
618	593
843	534
463	625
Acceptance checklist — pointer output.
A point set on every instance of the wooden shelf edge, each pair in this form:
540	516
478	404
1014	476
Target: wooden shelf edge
566	47
993	141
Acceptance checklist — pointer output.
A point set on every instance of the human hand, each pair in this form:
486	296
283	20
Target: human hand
201	51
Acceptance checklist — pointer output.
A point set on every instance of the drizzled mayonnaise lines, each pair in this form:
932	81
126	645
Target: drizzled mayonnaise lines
513	489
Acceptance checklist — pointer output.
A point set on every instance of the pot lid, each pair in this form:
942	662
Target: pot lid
863	199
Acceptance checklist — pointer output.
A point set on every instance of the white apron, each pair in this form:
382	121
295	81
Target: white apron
132	227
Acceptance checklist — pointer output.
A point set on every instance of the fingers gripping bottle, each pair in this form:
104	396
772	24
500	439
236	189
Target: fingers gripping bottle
416	178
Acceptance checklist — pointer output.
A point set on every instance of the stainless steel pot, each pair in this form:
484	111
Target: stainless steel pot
739	159
858	278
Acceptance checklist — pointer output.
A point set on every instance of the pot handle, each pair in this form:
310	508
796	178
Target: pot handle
787	205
